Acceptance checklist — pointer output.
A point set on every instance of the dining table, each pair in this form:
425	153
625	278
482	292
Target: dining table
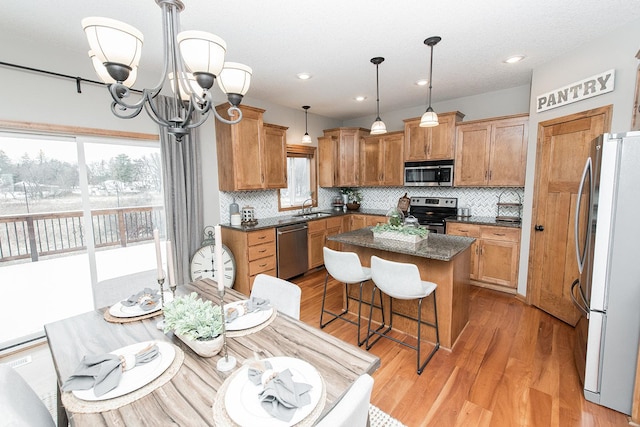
192	391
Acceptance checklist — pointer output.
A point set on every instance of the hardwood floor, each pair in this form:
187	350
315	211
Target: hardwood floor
512	366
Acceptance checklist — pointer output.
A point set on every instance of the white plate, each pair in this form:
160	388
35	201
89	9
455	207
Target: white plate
242	402
119	310
137	377
248	320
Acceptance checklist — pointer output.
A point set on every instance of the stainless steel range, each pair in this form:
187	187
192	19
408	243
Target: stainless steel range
432	211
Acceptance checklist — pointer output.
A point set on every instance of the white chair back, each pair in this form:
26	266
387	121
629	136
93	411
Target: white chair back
19	404
284	296
345	267
353	409
399	280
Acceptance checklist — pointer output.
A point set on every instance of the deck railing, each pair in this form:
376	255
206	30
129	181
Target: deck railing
35	235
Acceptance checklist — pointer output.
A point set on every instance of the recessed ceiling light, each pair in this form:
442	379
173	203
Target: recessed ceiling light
514	59
304	76
422	82
360	98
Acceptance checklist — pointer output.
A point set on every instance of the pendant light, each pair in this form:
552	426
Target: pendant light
430	118
306	139
378	127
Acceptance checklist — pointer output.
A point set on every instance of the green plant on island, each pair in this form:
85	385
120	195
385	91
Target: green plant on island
193	318
410	231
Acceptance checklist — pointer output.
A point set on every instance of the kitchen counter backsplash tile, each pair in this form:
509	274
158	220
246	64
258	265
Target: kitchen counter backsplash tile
480	201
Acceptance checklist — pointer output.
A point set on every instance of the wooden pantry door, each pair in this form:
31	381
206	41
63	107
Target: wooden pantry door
562	149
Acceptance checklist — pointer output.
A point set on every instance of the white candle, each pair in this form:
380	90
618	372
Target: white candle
219	266
172	277
156	238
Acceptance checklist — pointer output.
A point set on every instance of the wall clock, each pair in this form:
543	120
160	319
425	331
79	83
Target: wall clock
203	263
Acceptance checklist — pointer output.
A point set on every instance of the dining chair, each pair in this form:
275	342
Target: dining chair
353	409
346	268
284	296
19	404
402	281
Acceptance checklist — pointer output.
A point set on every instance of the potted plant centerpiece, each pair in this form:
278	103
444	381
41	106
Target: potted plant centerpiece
354	197
196	322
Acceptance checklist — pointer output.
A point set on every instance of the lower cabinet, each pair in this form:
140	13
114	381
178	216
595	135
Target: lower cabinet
317	234
255	253
358	221
494	254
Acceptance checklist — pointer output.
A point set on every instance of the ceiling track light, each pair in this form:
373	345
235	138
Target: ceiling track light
378	127
430	118
193	62
306	139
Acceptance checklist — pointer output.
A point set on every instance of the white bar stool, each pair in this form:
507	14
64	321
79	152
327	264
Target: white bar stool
345	267
402	281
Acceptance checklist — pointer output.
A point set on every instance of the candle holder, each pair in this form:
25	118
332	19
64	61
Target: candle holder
160	324
225	363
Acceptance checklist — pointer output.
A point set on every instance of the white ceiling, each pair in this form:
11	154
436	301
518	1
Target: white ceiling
334	40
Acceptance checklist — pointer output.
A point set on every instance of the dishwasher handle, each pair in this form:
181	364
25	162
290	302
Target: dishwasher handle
291	229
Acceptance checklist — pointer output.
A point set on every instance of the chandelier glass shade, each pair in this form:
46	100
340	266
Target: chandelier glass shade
193	61
430	118
306	139
378	127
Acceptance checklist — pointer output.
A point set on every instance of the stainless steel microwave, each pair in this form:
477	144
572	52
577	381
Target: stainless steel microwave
432	173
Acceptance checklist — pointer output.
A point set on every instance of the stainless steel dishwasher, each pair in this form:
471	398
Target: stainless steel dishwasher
291	244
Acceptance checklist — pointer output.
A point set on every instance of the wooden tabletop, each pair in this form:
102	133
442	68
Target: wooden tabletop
188	398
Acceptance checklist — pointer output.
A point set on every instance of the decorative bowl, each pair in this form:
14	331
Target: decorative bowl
353	206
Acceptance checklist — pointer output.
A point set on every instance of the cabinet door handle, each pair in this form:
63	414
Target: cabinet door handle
262	251
263	265
539	227
262	237
489	175
486	173
498	234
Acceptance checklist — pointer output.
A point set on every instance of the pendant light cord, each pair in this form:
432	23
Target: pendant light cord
377	95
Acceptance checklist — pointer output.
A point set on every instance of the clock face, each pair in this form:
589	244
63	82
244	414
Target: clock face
203	265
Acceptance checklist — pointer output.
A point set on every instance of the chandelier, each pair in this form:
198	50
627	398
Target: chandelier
193	62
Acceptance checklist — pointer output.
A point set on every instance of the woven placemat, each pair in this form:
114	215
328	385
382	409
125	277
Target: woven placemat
221	417
110	318
73	404
243	332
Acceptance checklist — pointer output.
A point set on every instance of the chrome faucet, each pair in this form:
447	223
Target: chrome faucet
307	210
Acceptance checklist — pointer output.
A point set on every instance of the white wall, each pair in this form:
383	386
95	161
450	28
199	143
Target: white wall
617	51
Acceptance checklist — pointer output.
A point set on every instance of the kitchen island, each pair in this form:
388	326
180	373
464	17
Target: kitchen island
440	258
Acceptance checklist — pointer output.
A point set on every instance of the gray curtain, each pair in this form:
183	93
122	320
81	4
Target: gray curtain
182	179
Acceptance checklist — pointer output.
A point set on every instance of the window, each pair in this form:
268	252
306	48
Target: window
301	178
76	211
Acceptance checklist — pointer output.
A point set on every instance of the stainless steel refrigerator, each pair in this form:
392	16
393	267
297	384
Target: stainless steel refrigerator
607	230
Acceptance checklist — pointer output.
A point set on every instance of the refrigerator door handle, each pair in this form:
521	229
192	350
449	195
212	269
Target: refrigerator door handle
581	255
582	306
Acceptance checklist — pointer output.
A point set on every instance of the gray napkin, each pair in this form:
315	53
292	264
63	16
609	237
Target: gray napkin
281	396
103	371
147	299
251	305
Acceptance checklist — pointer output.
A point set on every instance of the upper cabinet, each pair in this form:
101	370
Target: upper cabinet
381	160
339	156
251	156
435	143
492	153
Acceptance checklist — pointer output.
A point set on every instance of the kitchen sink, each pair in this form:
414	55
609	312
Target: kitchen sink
312	215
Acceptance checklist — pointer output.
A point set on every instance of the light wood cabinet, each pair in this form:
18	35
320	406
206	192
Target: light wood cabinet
381	160
494	254
317	233
492	152
434	143
358	221
339	156
255	253
250	155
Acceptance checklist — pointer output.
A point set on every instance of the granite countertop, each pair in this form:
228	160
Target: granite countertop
483	220
281	221
441	247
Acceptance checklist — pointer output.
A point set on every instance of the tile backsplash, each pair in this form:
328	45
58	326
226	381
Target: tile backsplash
480	201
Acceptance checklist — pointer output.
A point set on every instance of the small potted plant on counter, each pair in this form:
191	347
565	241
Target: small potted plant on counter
196	322
354	197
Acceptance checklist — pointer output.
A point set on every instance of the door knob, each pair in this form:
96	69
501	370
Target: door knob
539	227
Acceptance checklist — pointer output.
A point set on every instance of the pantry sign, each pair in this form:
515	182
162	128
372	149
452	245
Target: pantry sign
583	89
